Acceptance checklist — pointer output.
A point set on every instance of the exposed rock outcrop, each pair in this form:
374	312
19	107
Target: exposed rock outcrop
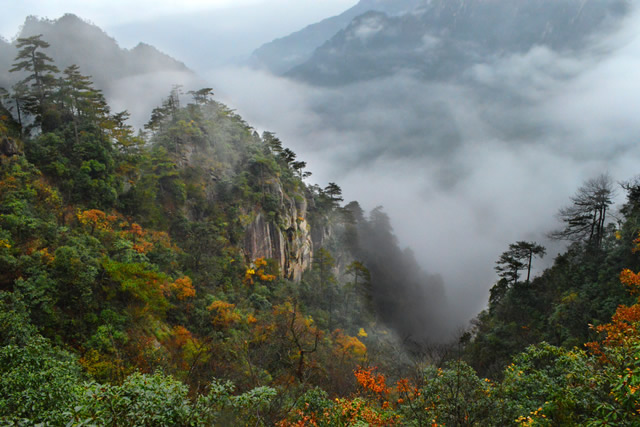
284	237
8	147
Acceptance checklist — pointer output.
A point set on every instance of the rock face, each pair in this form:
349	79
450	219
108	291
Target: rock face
8	147
284	237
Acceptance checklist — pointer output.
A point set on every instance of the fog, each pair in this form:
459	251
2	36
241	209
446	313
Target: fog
216	36
465	168
462	168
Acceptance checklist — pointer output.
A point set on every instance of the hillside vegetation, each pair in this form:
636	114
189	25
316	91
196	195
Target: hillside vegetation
189	275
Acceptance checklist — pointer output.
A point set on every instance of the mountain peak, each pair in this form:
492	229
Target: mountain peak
74	40
283	54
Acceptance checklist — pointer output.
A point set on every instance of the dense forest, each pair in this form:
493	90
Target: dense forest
188	274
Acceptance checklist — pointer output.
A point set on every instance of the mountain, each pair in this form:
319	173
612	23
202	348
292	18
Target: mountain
118	72
440	39
280	55
191	275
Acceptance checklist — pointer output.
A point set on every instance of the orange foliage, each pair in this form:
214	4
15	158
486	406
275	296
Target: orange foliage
181	336
369	380
46	256
183	288
346	412
96	220
9	184
404	386
622	331
224	313
630	279
144	240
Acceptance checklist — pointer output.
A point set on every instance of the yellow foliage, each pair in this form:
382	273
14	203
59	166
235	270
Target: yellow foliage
101	366
5	244
362	333
348	346
257	270
48	194
248	276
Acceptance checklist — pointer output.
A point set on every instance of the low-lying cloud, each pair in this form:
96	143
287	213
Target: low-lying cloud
463	169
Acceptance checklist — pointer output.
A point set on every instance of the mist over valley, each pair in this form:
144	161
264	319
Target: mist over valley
340	212
471	123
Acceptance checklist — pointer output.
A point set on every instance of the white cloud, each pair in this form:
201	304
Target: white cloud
368	27
496	173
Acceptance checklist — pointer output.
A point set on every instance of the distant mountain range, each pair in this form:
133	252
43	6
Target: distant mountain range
435	39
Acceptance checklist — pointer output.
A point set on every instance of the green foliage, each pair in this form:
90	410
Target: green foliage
40	81
37	382
556	307
84	167
559	387
452	395
142	400
15	325
130	253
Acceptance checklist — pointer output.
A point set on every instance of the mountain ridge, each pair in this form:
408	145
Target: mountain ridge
437	39
117	71
282	54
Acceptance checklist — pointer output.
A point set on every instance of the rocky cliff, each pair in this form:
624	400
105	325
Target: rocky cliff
285	238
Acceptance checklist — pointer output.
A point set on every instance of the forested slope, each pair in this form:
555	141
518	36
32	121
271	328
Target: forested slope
188	275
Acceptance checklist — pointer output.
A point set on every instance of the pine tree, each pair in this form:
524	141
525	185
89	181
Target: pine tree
41	78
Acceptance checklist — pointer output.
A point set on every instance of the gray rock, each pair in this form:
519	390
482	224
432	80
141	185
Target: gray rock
9	147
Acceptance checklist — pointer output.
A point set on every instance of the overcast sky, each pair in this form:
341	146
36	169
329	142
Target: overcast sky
229	29
118	12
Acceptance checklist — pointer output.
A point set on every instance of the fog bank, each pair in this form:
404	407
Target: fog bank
463	169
